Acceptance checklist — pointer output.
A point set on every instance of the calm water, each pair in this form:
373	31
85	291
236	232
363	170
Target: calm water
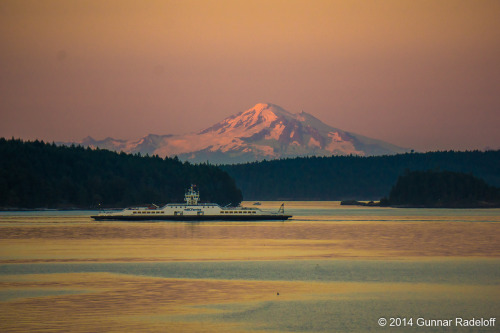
329	269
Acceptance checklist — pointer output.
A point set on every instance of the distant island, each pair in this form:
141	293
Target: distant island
352	177
441	189
437	189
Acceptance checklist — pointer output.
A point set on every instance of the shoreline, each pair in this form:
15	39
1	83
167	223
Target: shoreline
482	205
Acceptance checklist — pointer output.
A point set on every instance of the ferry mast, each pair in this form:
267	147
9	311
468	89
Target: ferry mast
192	196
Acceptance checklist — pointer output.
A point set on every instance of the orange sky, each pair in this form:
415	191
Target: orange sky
419	74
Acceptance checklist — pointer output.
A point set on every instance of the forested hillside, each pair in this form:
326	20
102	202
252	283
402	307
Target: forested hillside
440	189
36	174
352	177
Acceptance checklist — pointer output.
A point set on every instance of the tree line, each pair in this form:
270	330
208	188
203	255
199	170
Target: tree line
41	175
352	177
37	174
439	189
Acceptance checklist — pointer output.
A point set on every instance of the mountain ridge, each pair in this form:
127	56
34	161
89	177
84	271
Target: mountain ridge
265	131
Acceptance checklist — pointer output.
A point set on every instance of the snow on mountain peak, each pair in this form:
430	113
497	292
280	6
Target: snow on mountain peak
264	131
247	122
261	106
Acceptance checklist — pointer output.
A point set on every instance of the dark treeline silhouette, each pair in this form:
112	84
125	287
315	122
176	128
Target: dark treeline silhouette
40	175
441	189
352	177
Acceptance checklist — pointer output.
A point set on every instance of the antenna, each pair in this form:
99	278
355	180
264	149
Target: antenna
192	196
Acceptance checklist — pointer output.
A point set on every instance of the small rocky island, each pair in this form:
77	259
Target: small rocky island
359	203
437	189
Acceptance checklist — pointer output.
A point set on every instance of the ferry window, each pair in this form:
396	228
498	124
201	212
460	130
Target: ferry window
253	212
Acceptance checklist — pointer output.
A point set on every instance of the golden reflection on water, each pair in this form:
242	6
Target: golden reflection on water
128	303
122	303
39	241
105	302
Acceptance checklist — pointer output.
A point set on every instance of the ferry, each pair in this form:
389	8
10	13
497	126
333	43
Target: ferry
192	210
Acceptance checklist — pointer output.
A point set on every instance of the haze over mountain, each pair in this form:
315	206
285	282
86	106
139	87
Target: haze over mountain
266	131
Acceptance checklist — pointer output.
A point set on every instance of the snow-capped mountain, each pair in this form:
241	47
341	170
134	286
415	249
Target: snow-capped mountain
266	131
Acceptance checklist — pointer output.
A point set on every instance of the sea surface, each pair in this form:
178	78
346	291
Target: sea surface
330	268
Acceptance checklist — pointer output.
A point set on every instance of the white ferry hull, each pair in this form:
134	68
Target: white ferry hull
145	218
192	211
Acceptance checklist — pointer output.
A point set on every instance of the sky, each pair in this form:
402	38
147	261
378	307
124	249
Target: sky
419	74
